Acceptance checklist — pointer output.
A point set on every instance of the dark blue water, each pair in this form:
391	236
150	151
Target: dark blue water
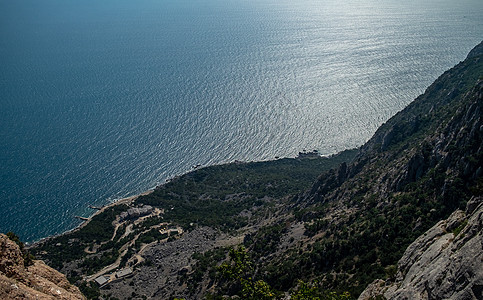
100	100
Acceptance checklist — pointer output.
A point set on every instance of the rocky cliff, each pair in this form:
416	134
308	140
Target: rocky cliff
446	262
36	281
440	130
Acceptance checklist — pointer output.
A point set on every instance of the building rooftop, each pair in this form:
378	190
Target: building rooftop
101	280
123	272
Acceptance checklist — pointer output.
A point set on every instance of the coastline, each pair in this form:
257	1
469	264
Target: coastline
126	200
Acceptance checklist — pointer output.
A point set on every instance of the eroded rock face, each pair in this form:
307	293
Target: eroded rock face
446	262
11	261
37	281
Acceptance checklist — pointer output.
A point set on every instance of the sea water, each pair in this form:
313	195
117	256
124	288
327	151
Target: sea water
101	100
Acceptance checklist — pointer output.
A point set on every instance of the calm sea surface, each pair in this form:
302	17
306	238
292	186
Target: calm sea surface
100	100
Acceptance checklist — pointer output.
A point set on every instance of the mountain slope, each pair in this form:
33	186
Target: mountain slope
446	262
419	167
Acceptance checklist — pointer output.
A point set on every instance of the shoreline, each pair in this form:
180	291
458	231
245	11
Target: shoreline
125	200
119	201
303	154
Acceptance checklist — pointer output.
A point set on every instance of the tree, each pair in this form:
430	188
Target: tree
312	291
239	269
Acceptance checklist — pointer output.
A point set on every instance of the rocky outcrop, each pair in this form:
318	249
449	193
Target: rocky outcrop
446	262
11	260
37	281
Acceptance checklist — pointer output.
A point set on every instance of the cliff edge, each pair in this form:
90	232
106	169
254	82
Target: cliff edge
37	281
446	262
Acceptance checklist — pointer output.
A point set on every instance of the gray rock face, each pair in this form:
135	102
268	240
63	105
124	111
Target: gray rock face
446	262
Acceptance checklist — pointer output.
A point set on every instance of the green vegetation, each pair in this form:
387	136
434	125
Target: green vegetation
313	291
206	263
362	246
90	290
70	247
147	223
96	263
215	196
266	239
458	229
238	273
149	237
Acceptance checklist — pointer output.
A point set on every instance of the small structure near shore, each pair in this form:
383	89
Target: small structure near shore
102	280
136	212
124	272
306	154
